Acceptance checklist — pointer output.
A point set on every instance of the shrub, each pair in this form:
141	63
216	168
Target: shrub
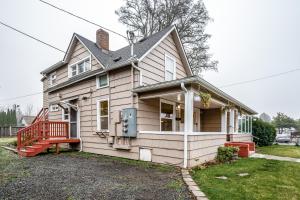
264	133
226	154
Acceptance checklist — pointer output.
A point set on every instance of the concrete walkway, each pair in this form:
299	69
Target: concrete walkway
270	157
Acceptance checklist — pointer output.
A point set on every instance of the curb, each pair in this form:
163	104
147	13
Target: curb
192	186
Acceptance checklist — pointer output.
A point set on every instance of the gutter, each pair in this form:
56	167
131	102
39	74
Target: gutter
185	154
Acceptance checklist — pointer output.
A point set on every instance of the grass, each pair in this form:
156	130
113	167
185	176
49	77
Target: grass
280	150
268	179
10	164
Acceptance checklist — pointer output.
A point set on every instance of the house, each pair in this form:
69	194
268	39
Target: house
26	120
141	102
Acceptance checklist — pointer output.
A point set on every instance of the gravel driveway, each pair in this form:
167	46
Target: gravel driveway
86	176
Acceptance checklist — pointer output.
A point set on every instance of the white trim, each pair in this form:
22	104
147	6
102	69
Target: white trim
77	69
174	66
50	79
174	113
98	115
98	83
63	114
54	110
69	47
182	133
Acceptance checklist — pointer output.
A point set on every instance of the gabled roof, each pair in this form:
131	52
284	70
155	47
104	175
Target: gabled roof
197	80
119	58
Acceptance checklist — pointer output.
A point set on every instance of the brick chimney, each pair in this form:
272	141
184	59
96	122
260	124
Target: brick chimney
102	39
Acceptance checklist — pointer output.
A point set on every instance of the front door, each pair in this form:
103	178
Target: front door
73	123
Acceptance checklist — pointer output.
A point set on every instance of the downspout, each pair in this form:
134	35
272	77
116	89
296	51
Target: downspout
185	154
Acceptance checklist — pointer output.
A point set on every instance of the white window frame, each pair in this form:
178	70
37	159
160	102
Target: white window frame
63	115
174	72
98	82
52	109
77	69
174	114
51	79
98	115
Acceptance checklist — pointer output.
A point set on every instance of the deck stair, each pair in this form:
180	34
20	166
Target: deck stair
42	134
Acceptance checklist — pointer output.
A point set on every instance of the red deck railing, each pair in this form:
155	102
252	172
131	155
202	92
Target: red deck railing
41	130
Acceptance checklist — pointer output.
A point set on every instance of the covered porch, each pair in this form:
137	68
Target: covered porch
175	109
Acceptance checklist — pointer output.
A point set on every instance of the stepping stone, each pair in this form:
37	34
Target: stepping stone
222	177
244	174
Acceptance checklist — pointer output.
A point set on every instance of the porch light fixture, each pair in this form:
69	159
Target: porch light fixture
197	98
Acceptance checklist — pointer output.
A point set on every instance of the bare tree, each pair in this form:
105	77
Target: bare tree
146	17
29	110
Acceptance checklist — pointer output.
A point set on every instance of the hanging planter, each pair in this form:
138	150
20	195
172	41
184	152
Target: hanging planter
205	99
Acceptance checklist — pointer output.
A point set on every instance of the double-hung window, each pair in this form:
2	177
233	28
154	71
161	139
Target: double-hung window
52	79
79	67
167	116
102	115
170	68
54	108
102	81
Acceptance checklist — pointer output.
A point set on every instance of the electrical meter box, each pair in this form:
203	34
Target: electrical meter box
128	120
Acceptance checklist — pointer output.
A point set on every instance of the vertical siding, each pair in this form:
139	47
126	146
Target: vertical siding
242	137
210	120
153	64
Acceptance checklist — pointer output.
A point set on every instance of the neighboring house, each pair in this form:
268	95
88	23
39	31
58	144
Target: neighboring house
265	117
27	120
168	124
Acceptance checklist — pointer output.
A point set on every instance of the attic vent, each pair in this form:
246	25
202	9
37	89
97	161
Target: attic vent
117	59
142	40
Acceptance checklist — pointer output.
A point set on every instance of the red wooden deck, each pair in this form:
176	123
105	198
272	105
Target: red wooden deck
43	134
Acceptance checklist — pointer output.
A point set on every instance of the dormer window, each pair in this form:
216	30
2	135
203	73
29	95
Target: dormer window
79	67
170	68
52	79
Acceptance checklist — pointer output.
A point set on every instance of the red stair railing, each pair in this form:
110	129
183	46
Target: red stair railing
42	130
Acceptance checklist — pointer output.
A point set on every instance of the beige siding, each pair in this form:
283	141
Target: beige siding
45	94
79	52
241	137
148	115
203	148
153	64
210	120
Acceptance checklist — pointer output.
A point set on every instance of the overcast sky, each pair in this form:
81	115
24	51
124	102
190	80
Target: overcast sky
250	39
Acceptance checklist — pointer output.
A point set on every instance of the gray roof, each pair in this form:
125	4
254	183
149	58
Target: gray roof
109	58
193	79
28	119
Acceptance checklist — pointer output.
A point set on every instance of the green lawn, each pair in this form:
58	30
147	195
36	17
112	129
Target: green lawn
7	140
280	150
267	179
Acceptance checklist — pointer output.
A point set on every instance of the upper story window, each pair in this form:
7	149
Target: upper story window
102	81
54	108
52	79
170	68
80	66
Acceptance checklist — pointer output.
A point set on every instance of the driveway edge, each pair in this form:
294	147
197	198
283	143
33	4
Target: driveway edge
192	186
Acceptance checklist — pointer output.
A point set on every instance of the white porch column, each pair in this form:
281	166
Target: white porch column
231	121
188	121
224	121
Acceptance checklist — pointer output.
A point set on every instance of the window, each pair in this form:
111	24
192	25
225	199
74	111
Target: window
80	67
102	115
54	108
65	114
102	81
170	67
167	116
52	79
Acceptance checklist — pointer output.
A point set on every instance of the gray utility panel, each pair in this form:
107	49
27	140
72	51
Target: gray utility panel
128	117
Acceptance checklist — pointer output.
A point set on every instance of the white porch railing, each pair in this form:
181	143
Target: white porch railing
182	133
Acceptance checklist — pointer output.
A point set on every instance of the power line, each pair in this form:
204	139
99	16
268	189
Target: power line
32	37
261	78
19	97
83	19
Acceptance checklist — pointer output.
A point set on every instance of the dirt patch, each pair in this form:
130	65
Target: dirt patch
71	176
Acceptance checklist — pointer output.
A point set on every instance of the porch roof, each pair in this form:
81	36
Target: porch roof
195	80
